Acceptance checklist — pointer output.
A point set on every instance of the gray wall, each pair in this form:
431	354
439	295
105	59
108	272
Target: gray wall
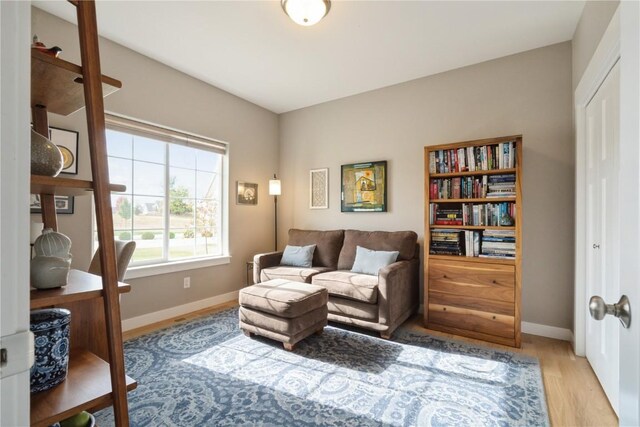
528	93
156	93
592	25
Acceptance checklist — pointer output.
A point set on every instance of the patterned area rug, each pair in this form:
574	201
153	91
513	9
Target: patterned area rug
206	372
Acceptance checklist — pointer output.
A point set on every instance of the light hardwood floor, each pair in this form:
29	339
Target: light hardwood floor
574	395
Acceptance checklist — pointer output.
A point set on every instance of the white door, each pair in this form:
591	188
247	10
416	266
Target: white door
603	124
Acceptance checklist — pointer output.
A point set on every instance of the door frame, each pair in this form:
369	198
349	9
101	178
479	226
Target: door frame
629	396
619	42
15	337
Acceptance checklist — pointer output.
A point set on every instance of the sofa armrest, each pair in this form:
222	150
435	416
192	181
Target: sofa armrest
398	291
260	261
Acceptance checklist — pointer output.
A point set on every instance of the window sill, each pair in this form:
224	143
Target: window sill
174	266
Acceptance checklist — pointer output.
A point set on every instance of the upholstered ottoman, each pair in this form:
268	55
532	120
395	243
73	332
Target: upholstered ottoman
283	310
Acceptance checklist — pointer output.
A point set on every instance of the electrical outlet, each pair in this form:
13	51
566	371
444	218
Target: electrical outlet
187	282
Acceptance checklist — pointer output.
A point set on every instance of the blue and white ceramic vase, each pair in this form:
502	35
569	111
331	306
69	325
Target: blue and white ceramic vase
50	328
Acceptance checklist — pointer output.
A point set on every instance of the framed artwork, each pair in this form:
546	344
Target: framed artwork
64	204
364	187
67	142
319	188
246	193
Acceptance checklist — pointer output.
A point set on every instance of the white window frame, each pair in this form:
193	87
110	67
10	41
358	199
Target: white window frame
156	267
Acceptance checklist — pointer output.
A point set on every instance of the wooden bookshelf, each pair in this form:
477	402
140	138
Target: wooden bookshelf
65	186
473	296
96	377
88	386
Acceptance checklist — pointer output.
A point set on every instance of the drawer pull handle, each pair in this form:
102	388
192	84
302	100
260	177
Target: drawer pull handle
495	282
444	308
494	317
445	276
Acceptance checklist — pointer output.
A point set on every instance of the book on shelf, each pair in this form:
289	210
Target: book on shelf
459	188
498	244
447	242
478	158
470	214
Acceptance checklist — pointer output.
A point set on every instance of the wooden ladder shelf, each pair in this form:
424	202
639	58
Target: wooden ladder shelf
96	376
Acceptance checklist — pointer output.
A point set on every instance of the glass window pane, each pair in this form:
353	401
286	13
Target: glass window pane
120	172
208	161
182	244
148	212
123	235
182	182
181	156
148	245
148	179
207	242
206	185
206	216
119	144
122	212
181	213
148	149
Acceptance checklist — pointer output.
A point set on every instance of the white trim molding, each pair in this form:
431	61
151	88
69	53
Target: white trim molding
173	267
180	310
603	60
547	331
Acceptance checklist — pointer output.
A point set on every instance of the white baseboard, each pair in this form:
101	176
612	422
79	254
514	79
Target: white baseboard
180	310
547	331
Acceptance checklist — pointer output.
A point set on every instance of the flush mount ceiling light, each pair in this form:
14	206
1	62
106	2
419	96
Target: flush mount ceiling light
306	12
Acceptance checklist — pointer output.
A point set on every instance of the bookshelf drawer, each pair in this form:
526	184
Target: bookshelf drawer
472	320
472	303
490	281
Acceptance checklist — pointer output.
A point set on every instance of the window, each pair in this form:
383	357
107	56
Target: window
173	205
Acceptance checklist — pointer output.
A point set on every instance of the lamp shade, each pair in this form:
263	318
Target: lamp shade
306	12
274	187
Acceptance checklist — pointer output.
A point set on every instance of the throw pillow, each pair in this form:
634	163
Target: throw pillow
370	262
298	256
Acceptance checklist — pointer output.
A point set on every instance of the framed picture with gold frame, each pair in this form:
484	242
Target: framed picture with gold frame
67	143
364	187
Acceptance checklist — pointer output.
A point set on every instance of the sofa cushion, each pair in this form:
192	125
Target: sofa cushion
298	256
295	274
328	245
370	262
401	241
283	298
345	284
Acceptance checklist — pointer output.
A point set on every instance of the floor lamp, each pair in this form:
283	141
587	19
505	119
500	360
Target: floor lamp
275	189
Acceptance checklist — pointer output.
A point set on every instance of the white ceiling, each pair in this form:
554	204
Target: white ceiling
252	49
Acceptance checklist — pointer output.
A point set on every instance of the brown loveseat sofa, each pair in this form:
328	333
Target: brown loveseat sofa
380	303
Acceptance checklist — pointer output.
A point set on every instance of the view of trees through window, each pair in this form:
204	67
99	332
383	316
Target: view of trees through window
172	205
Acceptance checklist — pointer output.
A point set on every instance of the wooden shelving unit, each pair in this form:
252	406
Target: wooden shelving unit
81	286
476	297
96	376
87	387
65	186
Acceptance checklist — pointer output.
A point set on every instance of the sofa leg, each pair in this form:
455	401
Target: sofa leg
287	346
319	331
385	335
247	333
